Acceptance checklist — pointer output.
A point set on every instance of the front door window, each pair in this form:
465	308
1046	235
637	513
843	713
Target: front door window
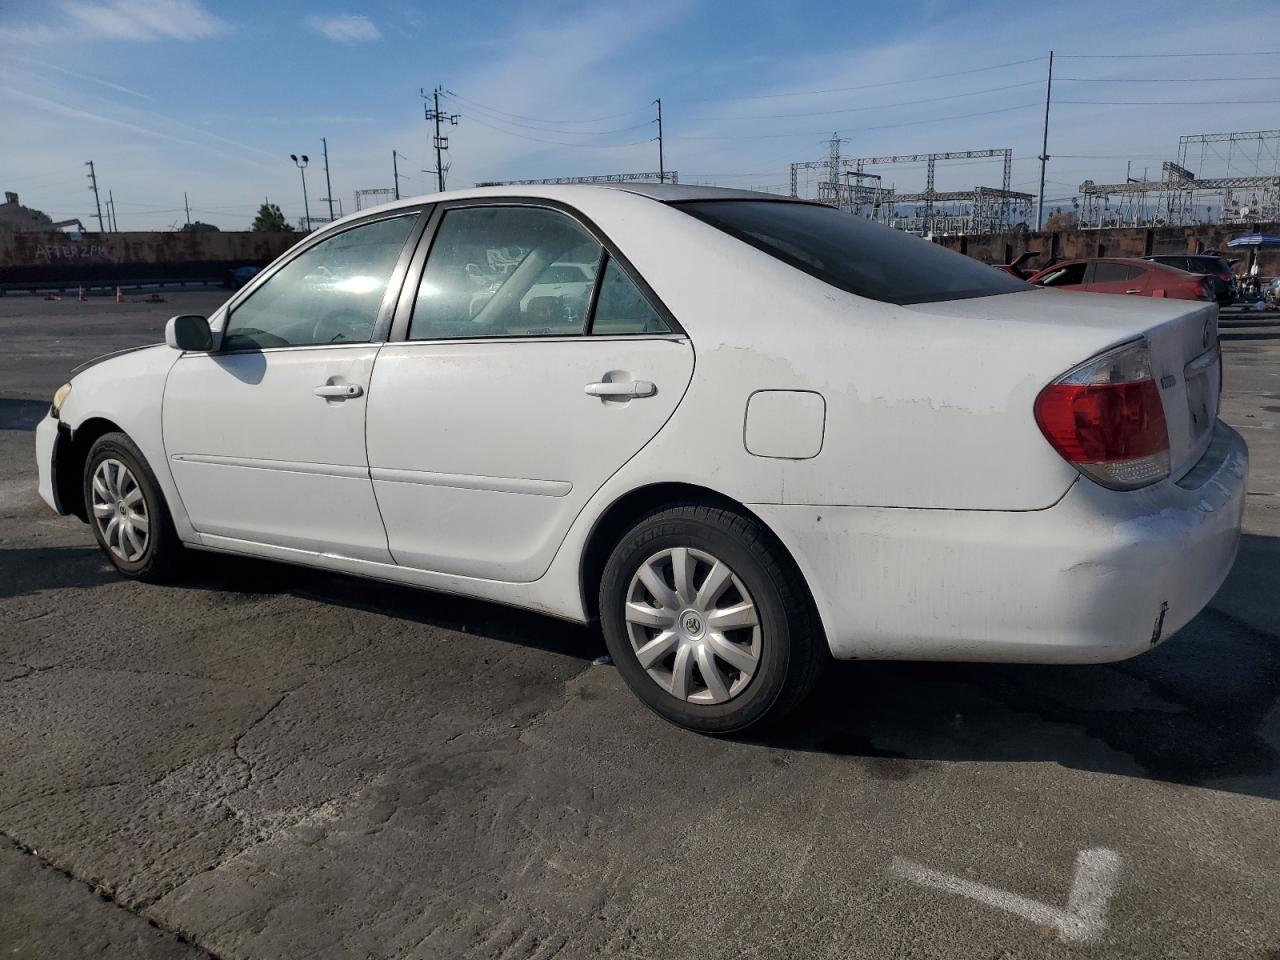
329	294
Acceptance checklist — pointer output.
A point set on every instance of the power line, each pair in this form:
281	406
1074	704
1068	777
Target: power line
510	118
882	126
1163	103
1158	56
1164	79
876	106
868	86
572	133
502	113
563	143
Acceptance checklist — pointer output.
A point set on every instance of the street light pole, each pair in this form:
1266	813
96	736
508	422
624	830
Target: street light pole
302	168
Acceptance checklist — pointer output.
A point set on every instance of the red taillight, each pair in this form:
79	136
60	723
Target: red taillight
1106	418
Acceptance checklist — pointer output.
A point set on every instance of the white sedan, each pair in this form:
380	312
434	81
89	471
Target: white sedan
778	433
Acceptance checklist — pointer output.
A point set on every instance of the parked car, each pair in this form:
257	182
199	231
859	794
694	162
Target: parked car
1123	275
237	277
1203	264
779	433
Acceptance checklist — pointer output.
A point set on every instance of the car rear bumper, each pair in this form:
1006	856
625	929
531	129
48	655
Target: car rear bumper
1101	575
46	466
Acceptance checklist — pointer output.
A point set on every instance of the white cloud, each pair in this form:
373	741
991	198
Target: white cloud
346	28
145	19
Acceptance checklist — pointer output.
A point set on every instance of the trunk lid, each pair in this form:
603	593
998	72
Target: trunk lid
1183	336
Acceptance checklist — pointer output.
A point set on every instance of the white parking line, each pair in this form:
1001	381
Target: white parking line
1083	921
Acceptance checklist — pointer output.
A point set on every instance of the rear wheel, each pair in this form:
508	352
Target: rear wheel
707	619
127	512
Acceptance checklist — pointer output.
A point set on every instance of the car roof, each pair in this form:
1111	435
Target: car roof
571	193
677	192
1136	261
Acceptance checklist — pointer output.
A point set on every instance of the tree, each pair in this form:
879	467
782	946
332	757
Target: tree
270	220
1061	220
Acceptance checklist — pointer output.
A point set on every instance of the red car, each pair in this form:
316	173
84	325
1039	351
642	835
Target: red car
1143	278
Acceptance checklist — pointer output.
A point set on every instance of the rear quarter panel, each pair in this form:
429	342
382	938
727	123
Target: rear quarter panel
922	409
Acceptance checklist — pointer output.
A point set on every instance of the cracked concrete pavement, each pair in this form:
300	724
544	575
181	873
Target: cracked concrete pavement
266	762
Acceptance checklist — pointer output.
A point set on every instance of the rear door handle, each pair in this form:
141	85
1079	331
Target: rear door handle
339	391
624	388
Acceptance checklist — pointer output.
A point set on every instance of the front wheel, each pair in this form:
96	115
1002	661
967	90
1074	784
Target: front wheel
708	620
128	514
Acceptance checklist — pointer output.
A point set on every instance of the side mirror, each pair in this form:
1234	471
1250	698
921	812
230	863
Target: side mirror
189	332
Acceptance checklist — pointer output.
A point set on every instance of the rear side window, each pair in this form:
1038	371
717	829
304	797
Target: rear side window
621	308
1115	272
853	254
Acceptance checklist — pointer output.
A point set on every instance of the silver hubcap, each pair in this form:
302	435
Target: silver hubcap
693	626
120	510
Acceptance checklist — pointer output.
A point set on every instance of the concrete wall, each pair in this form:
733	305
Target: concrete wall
1127	242
57	259
31	260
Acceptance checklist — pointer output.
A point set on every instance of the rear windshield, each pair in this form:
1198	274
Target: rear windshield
1210	264
852	253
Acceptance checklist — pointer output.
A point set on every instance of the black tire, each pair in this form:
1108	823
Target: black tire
792	648
162	557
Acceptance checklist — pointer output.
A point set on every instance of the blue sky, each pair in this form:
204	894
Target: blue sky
212	97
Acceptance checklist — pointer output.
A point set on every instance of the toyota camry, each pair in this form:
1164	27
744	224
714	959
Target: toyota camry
751	434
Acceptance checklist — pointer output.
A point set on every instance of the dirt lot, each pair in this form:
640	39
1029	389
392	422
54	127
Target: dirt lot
274	763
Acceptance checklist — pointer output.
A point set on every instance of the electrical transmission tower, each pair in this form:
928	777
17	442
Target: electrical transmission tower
433	115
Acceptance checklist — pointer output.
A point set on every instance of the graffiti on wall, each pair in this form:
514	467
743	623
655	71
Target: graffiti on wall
69	251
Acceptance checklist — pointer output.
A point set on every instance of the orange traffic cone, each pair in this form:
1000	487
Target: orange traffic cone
119	296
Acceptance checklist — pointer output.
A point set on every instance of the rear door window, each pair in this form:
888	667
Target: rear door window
506	271
851	253
1115	272
1067	275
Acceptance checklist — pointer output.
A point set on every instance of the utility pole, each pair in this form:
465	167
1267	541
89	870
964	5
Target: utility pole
187	205
395	172
662	170
1044	144
328	187
441	144
93	180
111	211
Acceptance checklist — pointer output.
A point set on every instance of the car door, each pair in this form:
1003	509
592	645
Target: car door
1107	276
265	435
489	430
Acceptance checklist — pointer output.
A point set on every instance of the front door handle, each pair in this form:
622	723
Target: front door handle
339	391
621	389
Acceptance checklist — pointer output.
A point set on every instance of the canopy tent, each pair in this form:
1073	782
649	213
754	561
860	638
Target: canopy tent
1255	240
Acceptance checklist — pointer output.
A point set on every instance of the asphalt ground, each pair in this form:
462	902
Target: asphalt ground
270	762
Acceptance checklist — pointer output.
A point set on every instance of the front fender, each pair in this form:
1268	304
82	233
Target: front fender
127	391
